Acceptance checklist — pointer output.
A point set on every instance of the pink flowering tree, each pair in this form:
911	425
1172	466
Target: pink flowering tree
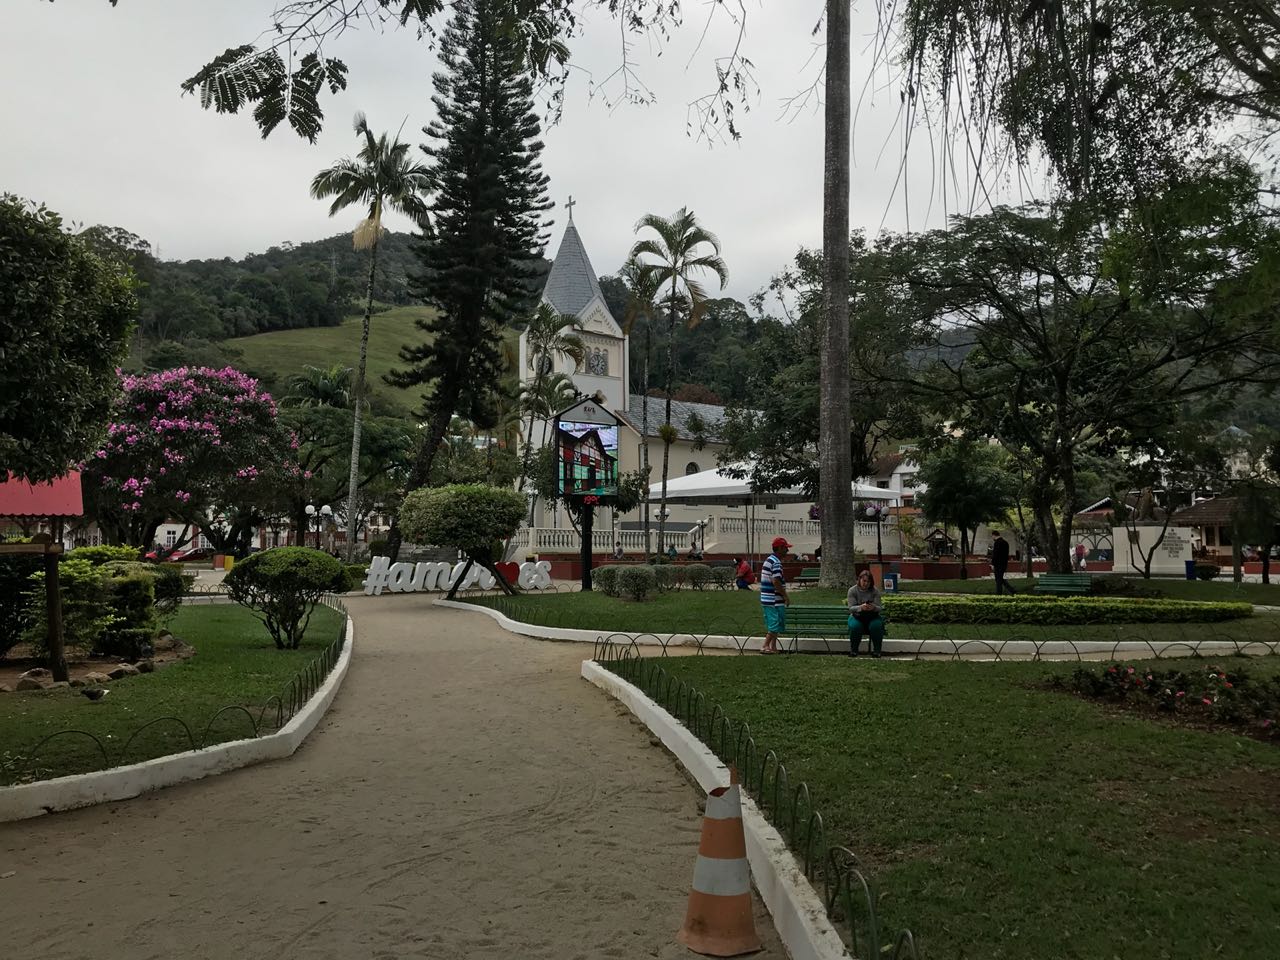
199	446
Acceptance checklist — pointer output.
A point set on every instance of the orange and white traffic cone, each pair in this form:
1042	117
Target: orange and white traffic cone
719	920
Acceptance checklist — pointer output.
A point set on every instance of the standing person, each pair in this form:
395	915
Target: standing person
1000	563
866	614
1080	555
742	573
774	598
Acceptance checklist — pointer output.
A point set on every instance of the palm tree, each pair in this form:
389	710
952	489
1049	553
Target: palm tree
835	458
381	177
320	387
676	259
643	288
549	334
544	399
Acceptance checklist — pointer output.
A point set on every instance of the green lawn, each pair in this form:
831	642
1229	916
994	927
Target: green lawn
283	353
1003	821
737	613
1258	593
235	663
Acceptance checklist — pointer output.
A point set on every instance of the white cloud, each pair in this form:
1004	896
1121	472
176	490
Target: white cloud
95	126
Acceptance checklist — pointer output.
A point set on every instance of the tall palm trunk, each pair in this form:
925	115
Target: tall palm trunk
353	480
666	434
834	457
644	430
528	446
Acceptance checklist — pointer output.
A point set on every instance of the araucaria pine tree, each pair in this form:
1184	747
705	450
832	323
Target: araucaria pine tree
488	194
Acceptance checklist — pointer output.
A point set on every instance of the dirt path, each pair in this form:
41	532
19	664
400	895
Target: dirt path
468	795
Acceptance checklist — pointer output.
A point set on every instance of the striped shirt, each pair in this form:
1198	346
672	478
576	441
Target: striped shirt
770	575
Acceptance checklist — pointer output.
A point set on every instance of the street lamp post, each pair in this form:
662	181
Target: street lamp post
320	516
875	513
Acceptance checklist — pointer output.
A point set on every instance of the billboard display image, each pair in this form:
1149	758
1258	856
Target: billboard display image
587	459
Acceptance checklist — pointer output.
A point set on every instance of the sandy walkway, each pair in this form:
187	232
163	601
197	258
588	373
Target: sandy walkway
465	797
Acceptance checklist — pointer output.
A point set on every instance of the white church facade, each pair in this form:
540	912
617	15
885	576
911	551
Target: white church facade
573	289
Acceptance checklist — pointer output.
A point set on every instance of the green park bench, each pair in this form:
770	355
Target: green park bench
1064	584
809	575
815	621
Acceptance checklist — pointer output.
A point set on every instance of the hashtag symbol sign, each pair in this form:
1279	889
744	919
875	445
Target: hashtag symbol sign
377	576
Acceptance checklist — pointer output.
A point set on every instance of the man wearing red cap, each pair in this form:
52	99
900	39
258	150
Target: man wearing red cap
774	598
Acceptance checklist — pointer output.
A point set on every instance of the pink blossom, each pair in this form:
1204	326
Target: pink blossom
1181	693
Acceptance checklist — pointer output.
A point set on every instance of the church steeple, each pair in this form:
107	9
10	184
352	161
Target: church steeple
572	283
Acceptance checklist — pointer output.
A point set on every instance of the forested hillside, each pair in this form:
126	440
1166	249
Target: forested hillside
313	284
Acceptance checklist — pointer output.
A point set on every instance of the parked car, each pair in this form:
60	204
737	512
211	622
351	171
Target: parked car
179	556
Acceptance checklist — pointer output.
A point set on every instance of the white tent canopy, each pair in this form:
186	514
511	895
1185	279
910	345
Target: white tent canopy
711	487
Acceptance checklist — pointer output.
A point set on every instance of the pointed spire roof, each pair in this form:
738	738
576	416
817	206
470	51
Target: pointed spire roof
572	283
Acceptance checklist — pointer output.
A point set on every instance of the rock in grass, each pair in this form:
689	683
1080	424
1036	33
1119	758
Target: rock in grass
95	677
31	683
5	688
146	666
37	673
122	671
77	682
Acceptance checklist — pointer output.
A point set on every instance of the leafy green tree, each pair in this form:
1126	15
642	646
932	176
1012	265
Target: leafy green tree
65	319
782	445
1117	96
282	587
382	177
1076	343
677	255
472	518
964	484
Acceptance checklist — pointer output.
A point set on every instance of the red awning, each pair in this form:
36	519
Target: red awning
59	498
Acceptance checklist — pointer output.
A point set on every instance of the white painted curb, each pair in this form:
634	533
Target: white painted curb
120	783
797	910
969	649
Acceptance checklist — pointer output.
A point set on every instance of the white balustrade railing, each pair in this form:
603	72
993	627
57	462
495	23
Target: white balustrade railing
722	534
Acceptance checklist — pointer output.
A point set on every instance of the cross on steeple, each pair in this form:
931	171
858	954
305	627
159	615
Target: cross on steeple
569	206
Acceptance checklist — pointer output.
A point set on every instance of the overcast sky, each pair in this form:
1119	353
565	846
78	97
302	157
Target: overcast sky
94	126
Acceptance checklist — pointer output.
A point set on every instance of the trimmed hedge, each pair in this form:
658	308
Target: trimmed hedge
282	587
1058	611
637	582
104	554
605	578
698	575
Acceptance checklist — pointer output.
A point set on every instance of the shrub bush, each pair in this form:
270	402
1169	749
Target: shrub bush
353	576
86	607
133	601
1209	692
723	577
172	586
15	585
665	577
1207	571
698	575
377	548
1058	610
1110	585
281	586
104	554
605	579
638	582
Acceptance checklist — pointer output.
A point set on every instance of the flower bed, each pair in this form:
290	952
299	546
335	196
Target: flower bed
1203	694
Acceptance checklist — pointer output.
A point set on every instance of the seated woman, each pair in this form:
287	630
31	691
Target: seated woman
866	614
742	573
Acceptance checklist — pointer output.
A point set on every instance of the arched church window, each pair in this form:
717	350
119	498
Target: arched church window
691	469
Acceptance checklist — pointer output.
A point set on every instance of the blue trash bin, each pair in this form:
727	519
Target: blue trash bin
890	583
1191	569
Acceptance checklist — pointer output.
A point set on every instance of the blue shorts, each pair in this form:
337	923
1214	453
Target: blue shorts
775	617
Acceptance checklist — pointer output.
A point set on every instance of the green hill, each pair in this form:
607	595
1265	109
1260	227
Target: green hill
276	356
